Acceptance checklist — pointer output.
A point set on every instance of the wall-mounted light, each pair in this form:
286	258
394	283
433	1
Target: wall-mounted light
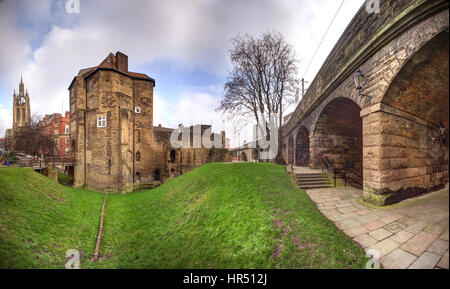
442	133
359	78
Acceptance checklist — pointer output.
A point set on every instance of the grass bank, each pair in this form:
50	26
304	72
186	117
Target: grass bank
40	220
224	216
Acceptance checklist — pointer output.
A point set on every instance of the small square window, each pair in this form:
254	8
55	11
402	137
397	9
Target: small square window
101	121
137	109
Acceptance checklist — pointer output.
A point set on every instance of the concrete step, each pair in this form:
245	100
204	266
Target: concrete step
311	180
321	182
311	187
310	175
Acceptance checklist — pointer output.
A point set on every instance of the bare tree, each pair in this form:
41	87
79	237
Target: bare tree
263	82
33	139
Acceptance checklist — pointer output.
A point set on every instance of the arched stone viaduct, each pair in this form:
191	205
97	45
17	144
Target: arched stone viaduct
394	141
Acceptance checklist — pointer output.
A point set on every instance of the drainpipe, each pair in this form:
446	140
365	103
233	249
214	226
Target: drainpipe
133	142
85	136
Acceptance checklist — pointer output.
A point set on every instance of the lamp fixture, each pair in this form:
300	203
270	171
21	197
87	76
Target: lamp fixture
359	78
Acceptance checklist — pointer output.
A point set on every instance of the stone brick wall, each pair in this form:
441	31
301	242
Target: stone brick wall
401	160
389	45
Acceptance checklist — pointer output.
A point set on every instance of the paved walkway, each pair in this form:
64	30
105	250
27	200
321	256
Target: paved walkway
412	234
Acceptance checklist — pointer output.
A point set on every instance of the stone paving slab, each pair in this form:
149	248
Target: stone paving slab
380	234
356	231
416	238
372	226
398	259
444	261
365	240
426	261
402	237
395	227
417	227
385	247
419	243
439	247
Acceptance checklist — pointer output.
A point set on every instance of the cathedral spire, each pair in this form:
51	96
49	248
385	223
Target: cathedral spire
21	86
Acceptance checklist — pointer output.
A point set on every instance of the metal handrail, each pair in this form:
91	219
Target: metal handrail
346	173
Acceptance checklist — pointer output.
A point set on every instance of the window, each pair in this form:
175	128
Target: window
138	136
138	156
56	124
66	129
101	121
137	109
173	156
67	140
67	151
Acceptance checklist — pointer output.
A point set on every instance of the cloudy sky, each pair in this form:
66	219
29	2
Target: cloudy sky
183	44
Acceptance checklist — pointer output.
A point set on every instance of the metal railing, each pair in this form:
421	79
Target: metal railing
43	163
347	174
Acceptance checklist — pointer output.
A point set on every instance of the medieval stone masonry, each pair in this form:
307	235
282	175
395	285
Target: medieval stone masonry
394	133
112	137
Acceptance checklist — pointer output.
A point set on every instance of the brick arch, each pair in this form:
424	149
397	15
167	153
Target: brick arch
302	148
337	134
405	158
421	87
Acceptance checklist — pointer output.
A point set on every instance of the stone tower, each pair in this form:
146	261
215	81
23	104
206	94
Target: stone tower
111	126
21	108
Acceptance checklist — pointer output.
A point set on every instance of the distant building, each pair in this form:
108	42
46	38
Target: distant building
112	138
8	139
57	126
2	145
21	108
21	114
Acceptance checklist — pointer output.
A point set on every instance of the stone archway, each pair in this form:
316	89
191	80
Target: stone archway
291	150
338	135
244	157
405	155
302	148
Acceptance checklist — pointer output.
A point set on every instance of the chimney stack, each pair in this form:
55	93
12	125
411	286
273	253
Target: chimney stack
121	62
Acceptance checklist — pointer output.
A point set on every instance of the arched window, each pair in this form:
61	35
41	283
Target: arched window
173	156
18	114
138	156
66	129
138	177
23	114
157	175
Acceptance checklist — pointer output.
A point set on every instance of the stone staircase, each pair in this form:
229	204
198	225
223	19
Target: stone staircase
313	181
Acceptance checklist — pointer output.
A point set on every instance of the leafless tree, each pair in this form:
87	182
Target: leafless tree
34	139
263	81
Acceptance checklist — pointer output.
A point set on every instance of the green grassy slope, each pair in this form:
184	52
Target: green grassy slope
40	220
223	216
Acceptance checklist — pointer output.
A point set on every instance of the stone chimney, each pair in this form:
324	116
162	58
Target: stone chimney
121	62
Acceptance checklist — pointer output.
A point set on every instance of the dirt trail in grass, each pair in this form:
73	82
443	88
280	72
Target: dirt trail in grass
98	244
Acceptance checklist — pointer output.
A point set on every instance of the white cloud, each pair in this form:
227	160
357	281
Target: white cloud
5	120
189	33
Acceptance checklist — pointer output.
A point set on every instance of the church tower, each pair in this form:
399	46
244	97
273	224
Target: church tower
21	108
